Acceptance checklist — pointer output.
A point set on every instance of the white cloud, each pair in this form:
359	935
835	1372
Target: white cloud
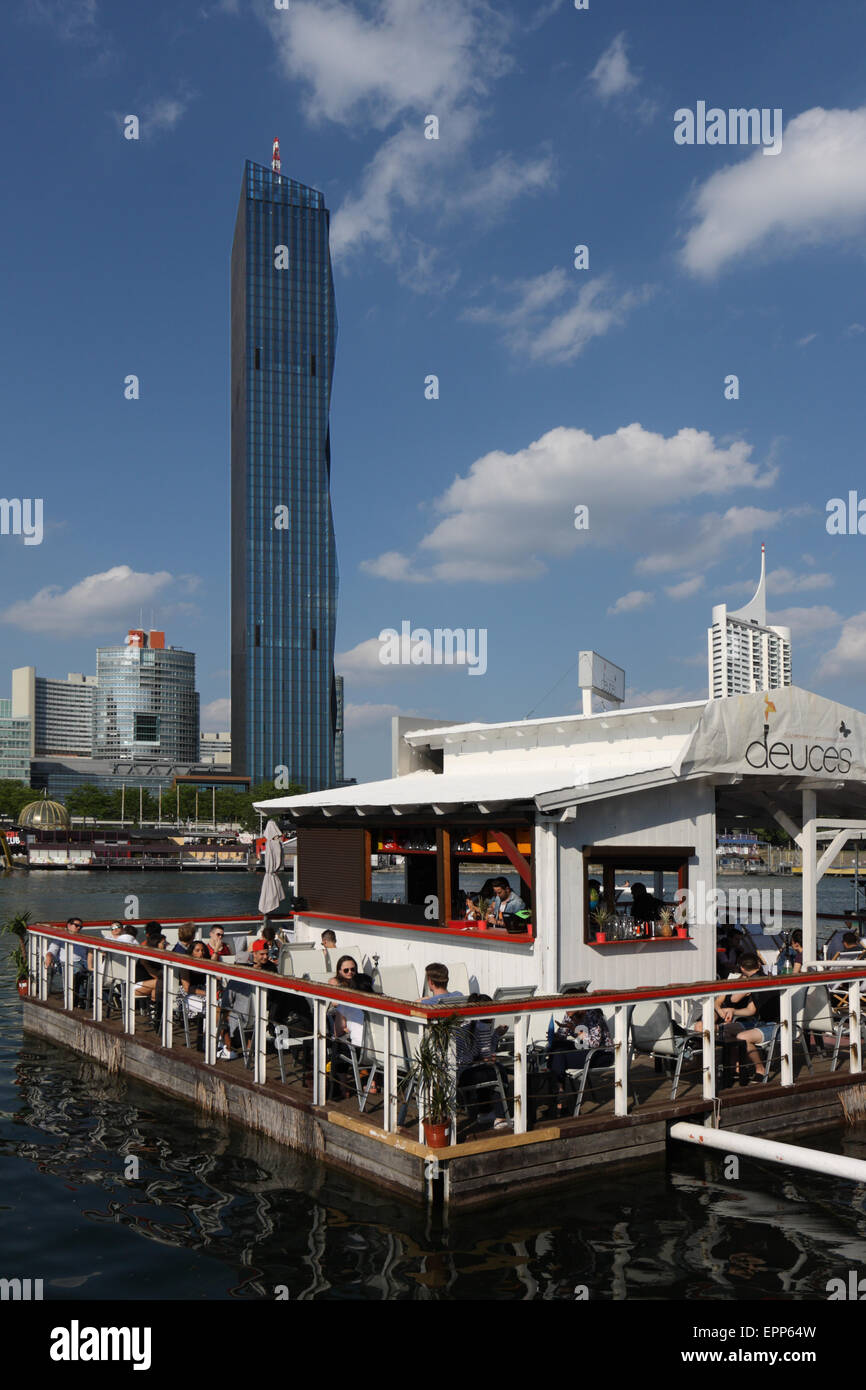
73	21
94	604
530	495
216	716
406	56
805	623
848	656
855	329
163	114
536	326
785	581
628	603
404	60
804	342
361	661
686	588
393	565
691	541
612	75
364	716
812	193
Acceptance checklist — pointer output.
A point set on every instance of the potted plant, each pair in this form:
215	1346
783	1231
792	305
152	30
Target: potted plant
17	926
436	1079
666	922
601	917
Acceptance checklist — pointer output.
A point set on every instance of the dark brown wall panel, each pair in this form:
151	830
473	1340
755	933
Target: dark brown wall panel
332	868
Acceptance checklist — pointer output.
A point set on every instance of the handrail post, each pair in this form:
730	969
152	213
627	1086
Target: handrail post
452	1068
260	1037
68	975
210	1018
521	1042
389	1088
98	978
33	944
708	1040
855	1060
168	998
319	1040
129	995
42	978
786	1035
620	1059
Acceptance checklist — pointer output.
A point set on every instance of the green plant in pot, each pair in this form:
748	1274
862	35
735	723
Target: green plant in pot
435	1078
17	926
601	917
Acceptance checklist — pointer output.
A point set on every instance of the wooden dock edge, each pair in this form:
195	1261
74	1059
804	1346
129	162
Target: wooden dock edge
472	1174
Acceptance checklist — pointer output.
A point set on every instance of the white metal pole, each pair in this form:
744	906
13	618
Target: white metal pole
389	1089
855	1059
786	1036
260	1035
210	1018
620	1059
809	878
319	1041
708	1032
521	1040
836	1165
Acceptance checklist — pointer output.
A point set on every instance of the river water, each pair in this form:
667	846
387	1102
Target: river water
112	1191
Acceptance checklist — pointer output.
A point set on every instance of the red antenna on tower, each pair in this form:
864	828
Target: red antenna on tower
275	156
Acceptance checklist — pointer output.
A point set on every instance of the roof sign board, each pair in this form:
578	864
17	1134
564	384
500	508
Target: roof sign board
601	677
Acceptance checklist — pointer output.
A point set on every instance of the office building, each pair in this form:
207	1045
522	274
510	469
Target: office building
283	558
15	745
216	749
146	703
744	654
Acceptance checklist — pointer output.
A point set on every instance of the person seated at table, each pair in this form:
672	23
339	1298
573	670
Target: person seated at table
791	958
476	1063
505	901
148	977
123	932
728	953
269	935
185	938
575	1040
328	940
472	908
852	947
644	907
194	982
436	985
81	960
260	956
216	947
747	1018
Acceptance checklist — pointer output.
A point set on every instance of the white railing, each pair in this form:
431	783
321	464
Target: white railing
397	1025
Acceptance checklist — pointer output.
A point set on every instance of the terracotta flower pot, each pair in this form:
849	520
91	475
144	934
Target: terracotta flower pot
601	936
23	988
436	1136
682	931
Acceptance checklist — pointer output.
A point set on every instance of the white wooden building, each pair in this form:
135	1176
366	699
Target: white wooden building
556	803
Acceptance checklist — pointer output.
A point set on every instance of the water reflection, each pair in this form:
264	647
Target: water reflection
251	1218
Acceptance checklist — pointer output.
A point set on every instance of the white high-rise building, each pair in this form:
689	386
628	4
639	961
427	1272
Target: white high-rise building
744	653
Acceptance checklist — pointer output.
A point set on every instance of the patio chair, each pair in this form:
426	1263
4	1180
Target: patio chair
397	981
812	1012
286	1041
238	1007
654	1033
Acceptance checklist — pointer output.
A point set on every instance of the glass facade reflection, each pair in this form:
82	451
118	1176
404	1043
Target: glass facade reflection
283	557
146	704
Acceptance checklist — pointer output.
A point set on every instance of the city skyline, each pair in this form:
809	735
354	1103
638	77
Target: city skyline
667	335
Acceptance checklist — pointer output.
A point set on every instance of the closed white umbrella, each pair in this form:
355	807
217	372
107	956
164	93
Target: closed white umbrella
273	892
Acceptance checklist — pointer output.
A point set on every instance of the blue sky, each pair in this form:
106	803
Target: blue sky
452	257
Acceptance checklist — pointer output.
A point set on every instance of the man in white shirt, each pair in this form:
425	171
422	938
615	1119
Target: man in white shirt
59	952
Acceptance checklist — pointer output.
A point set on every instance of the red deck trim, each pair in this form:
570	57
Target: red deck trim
455	927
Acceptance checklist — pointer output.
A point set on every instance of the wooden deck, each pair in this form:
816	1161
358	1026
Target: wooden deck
485	1165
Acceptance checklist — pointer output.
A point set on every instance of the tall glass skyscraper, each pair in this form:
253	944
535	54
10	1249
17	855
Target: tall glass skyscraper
283	558
146	702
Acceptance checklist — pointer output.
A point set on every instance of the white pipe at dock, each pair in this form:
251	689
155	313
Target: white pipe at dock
750	1146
